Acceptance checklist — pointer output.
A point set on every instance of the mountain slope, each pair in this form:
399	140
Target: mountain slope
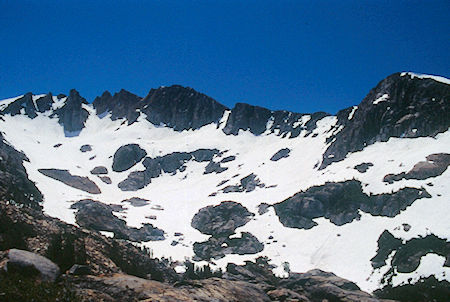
198	153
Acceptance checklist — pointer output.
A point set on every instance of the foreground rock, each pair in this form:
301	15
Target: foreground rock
74	181
27	263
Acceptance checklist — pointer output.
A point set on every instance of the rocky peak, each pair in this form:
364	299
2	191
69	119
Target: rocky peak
123	104
247	117
72	116
402	105
181	108
24	103
44	103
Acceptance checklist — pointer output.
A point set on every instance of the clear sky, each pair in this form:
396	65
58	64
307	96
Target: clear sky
303	56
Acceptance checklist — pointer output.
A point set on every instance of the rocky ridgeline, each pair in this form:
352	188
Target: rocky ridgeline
399	106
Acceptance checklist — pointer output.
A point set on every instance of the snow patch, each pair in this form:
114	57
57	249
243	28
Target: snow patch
426	76
382	98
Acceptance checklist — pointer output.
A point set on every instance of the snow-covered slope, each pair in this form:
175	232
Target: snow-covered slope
319	149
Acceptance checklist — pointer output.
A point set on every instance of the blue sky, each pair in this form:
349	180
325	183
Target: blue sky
303	56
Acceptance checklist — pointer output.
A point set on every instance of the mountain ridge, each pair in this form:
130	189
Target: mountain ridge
314	183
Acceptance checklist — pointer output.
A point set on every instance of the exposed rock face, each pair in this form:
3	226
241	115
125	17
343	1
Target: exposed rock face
247	117
399	106
426	289
99	216
257	119
181	108
99	170
74	181
219	246
282	153
105	179
86	148
14	182
137	202
127	156
26	262
120	287
123	104
213	167
340	202
318	285
24	103
408	254
363	167
72	116
435	165
169	163
247	184
44	103
312	286
228	159
221	220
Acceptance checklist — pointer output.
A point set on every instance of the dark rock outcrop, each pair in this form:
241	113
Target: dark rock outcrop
340	203
282	153
99	170
137	202
399	106
221	220
218	247
247	184
24	103
86	148
213	167
408	254
435	165
257	120
99	216
72	116
169	163
247	117
15	185
181	108
44	103
127	156
74	181
123	104
105	179
26	263
363	167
